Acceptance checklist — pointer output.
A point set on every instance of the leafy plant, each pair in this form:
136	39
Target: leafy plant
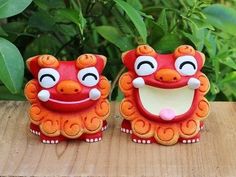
69	28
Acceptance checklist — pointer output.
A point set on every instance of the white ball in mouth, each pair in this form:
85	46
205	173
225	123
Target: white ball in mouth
94	94
44	95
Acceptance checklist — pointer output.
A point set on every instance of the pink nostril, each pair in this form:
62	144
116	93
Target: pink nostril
76	90
62	90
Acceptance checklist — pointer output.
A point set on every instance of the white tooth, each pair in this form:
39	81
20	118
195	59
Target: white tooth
139	141
193	83
135	140
91	140
148	141
56	141
130	131
189	141
52	141
197	139
44	95
100	139
48	141
144	141
184	141
193	141
87	140
95	139
44	141
138	82
94	94
127	131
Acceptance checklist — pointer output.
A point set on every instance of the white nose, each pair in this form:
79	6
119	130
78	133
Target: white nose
44	95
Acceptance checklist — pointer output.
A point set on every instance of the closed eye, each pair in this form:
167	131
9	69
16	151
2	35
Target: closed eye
47	75
187	62
89	74
145	62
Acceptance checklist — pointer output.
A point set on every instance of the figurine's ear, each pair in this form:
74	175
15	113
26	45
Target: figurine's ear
103	60
202	57
123	55
41	61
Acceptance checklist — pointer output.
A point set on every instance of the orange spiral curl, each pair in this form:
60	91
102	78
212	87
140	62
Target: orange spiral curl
125	83
86	60
184	50
50	126
104	86
71	127
31	91
145	50
92	123
167	135
142	127
189	128
48	61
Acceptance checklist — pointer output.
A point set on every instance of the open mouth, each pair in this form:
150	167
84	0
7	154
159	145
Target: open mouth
166	103
69	102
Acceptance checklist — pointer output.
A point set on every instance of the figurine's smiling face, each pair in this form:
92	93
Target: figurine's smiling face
165	86
67	85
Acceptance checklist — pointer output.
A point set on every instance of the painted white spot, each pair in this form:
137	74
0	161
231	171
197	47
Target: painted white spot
44	95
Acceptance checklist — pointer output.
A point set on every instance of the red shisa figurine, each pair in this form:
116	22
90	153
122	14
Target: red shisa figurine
164	95
68	98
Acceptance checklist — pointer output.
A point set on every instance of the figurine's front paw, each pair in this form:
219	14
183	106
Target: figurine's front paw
139	140
91	138
138	82
194	83
34	129
126	127
51	140
194	139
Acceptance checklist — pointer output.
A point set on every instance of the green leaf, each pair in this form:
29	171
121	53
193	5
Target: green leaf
9	8
73	16
115	37
168	43
5	94
229	78
221	17
42	20
228	62
12	66
135	17
162	21
2	32
49	4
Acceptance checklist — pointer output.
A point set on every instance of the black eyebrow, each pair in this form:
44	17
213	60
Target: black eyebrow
145	62
187	62
47	75
89	74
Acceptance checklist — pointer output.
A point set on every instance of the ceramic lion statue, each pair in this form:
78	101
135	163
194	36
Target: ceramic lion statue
68	98
164	95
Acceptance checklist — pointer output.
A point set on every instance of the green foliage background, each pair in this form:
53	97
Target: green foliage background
69	28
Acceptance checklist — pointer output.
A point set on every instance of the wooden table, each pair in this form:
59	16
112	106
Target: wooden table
22	154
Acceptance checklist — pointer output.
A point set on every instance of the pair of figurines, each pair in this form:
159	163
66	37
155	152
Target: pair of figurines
163	101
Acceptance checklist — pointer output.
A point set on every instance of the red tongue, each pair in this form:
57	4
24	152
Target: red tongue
167	114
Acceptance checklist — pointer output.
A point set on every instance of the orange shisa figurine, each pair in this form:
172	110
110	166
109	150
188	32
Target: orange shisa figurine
68	98
164	95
